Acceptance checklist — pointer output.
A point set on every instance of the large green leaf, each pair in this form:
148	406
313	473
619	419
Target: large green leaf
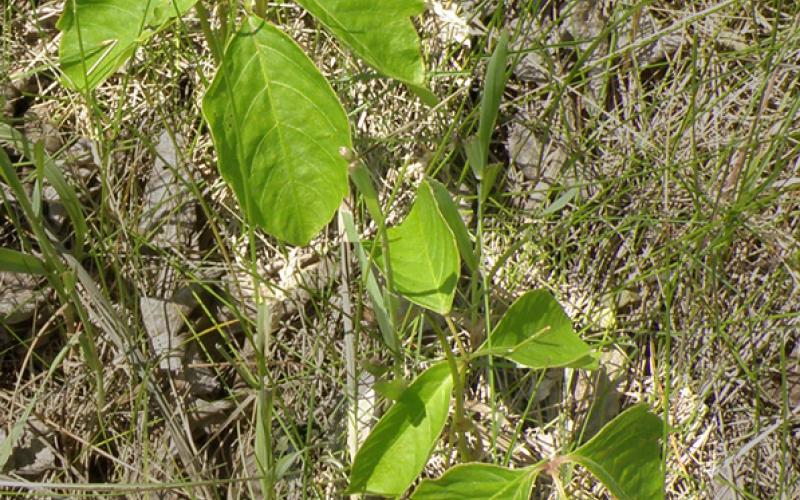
100	35
423	255
400	444
626	455
380	32
278	127
535	332
478	482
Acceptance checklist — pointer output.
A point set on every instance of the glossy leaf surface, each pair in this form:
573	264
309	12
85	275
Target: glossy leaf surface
98	36
478	482
535	332
381	33
278	126
424	256
626	455
400	444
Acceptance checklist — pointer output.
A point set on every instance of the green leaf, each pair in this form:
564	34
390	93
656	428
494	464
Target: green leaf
626	455
98	36
451	214
535	332
400	444
17	262
477	148
493	89
423	255
479	482
391	389
278	127
381	33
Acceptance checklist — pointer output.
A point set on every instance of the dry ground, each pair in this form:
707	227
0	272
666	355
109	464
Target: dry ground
651	181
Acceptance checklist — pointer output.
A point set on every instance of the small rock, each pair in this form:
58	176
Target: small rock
539	162
10	98
21	297
168	214
163	321
33	453
55	211
37	129
537	62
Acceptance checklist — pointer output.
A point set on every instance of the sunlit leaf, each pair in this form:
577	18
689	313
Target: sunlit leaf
477	147
423	255
626	455
278	127
98	36
400	444
478	482
379	32
535	332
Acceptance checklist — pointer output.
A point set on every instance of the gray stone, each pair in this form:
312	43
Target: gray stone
20	297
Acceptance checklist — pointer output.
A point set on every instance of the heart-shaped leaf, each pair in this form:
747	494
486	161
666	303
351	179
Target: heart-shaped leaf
379	32
423	255
400	444
626	455
535	332
478	482
278	127
100	35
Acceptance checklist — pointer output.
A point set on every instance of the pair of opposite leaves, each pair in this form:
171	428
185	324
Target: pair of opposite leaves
276	123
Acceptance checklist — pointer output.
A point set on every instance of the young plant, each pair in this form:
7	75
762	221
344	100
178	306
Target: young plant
534	333
279	130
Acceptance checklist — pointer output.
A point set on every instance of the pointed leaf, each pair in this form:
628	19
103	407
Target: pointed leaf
479	482
381	33
626	455
493	89
424	256
477	147
400	444
535	332
278	127
100	35
450	212
17	262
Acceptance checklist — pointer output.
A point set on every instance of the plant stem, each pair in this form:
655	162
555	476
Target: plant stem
458	387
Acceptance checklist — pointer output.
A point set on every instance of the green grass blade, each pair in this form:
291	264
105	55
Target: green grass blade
17	262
